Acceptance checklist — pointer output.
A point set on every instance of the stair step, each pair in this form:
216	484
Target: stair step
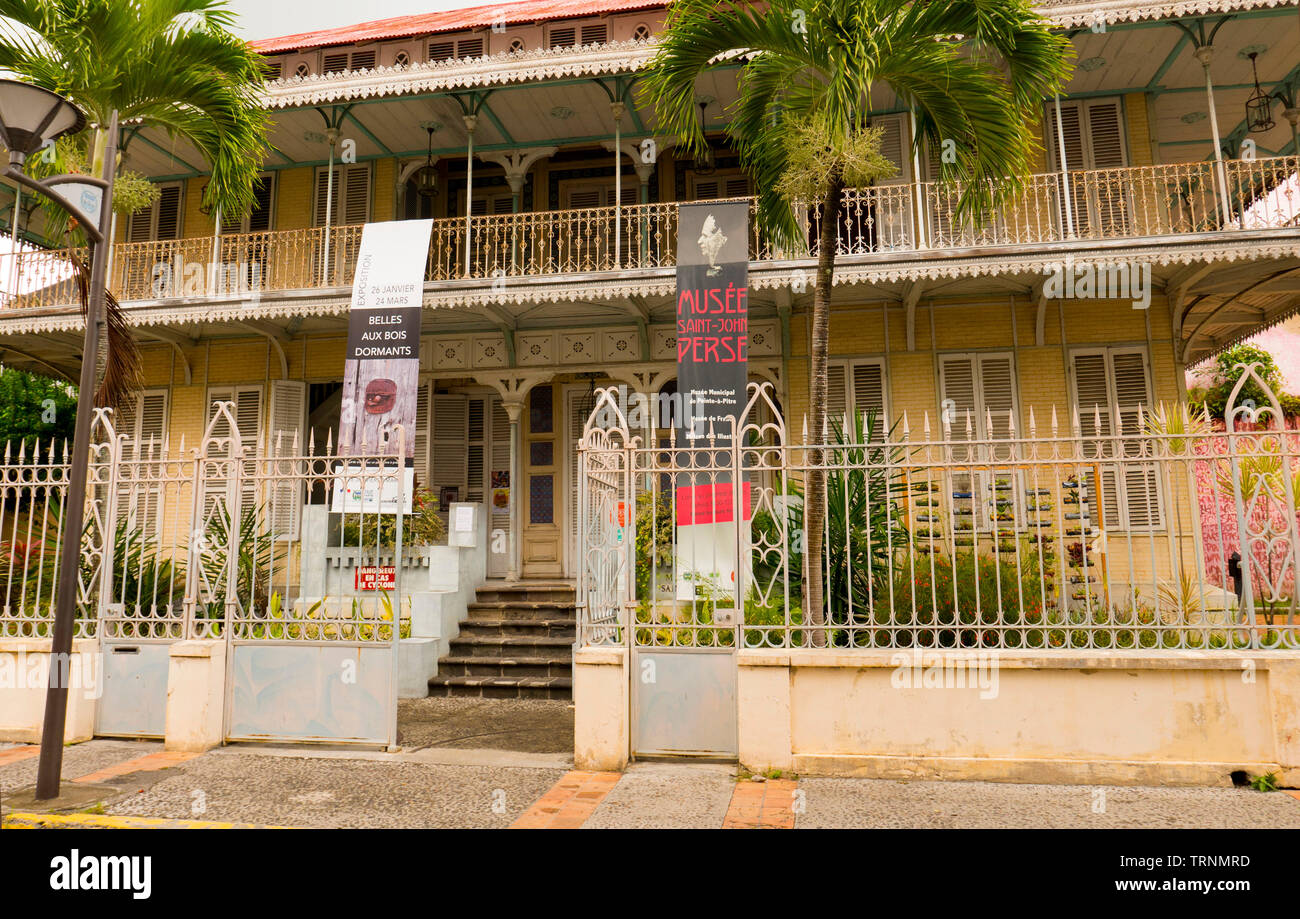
544	595
520	610
514	666
560	628
503	687
497	646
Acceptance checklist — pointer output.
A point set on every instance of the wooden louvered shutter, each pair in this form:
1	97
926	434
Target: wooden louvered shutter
1108	199
895	148
476	452
869	394
957	395
248	421
997	397
450	445
288	417
356	191
1132	402
169	212
1072	130
422	426
1092	402
259	219
144	421
837	400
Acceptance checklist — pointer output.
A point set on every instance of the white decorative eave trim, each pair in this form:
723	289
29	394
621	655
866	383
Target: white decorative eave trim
510	67
850	270
492	70
1086	12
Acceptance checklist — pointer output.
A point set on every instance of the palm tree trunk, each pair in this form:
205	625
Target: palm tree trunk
815	493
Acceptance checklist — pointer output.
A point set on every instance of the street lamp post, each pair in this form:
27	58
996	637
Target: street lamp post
31	117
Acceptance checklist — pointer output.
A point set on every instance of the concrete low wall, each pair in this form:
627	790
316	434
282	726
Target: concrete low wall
1172	717
24	677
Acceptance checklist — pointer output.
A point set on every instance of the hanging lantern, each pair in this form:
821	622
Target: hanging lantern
704	164
426	177
1259	107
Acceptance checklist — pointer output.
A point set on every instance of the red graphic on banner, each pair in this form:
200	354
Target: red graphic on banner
710	504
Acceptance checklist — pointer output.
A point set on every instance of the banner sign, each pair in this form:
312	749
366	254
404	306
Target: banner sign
712	316
382	367
712	343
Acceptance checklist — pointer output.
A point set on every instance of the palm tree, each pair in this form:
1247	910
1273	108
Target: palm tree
972	72
167	64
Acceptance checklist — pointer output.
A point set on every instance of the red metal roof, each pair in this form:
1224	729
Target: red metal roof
452	21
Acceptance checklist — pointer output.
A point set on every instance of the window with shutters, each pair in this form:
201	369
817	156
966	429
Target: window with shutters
1092	132
287	420
1112	391
977	411
726	183
854	388
596	239
246	261
161	220
348	199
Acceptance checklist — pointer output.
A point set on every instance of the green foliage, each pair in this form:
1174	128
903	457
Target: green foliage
973	73
259	553
34	407
174	65
132	192
959	595
864	518
816	156
1226	374
654	540
1267	782
421	527
144	577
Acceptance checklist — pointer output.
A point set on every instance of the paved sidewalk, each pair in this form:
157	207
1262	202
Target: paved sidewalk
140	785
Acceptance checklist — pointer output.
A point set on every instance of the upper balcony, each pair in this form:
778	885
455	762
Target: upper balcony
1077	212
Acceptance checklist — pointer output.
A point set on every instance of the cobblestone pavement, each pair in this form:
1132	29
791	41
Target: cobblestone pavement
305	787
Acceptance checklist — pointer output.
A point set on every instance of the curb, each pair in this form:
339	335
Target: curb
26	821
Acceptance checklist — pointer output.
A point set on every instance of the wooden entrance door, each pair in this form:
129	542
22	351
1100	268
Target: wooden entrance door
543	509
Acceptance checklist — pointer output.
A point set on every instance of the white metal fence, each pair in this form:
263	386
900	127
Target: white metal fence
1067	533
199	541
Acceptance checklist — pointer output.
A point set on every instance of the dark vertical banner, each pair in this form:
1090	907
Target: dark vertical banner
382	366
712	343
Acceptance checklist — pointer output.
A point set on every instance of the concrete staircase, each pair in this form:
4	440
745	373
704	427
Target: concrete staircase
517	643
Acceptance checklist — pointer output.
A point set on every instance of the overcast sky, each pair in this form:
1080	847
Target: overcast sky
271	18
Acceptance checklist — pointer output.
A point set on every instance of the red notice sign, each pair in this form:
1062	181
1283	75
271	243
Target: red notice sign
370	577
710	504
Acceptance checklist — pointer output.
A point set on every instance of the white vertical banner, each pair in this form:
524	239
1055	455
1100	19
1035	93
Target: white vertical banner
382	367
